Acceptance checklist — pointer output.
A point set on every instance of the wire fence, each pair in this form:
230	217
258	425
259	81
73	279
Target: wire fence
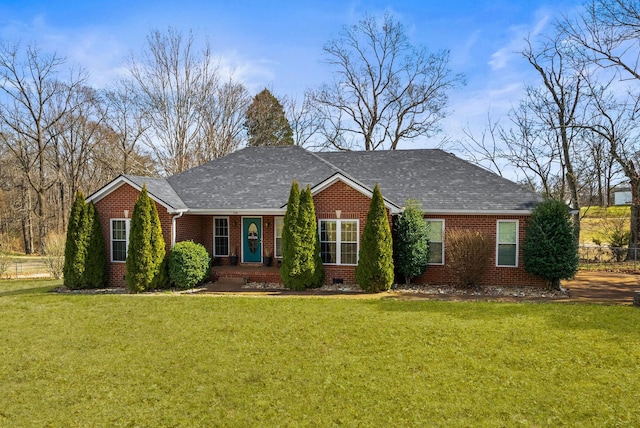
606	258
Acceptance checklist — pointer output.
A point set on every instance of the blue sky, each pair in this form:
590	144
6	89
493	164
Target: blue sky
279	44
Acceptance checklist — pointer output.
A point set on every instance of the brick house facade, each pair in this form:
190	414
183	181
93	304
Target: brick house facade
341	201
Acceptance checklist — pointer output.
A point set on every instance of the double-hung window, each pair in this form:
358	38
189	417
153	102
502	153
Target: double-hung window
507	243
220	236
436	241
339	242
119	239
279	225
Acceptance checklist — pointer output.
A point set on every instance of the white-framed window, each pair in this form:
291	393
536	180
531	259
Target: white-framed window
278	225
436	241
119	239
507	243
339	242
220	236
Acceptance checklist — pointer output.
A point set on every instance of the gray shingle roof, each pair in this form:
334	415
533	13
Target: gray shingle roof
439	180
252	178
259	178
160	189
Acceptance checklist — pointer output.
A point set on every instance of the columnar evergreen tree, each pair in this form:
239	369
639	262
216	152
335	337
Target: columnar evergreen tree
412	246
95	272
549	249
374	272
266	123
290	267
311	272
75	251
145	252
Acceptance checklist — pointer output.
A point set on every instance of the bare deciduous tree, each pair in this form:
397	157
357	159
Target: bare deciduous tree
35	101
385	90
191	117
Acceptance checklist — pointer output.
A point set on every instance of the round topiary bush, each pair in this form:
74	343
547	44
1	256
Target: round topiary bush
189	264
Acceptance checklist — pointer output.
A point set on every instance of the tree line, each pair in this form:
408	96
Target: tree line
175	109
574	135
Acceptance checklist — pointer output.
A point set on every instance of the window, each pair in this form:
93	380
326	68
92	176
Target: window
221	236
436	241
339	242
507	245
119	239
278	225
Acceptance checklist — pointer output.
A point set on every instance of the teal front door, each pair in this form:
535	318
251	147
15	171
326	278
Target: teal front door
252	239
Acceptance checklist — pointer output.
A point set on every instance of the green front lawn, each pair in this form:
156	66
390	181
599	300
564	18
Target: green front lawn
194	360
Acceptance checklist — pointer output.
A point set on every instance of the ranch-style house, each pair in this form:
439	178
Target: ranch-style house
235	205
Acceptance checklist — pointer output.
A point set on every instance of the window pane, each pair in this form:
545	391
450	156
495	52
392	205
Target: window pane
349	254
328	252
506	254
222	227
279	224
278	247
507	232
119	230
349	231
221	246
328	231
119	251
435	252
435	230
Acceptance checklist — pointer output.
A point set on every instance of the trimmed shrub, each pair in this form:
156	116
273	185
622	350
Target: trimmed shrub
189	264
468	255
95	272
146	245
290	266
411	244
75	251
549	249
374	272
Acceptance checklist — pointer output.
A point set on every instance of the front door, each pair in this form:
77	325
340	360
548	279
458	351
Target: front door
251	239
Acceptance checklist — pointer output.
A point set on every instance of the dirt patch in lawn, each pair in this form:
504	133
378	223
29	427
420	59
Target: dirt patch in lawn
603	287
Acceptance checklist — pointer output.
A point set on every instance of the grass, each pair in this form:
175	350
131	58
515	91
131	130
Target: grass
189	360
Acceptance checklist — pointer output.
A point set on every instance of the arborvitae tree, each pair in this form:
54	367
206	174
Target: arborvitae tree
266	123
161	273
308	249
411	244
374	272
549	249
95	272
290	267
145	253
75	251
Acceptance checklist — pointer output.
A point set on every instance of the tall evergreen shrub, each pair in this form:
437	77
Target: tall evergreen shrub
146	250
549	249
290	266
75	251
412	246
374	272
95	272
308	248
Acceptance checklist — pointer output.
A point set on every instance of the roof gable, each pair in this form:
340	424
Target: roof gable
158	189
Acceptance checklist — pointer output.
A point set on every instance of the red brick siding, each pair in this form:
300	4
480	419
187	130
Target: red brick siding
506	276
353	205
112	206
